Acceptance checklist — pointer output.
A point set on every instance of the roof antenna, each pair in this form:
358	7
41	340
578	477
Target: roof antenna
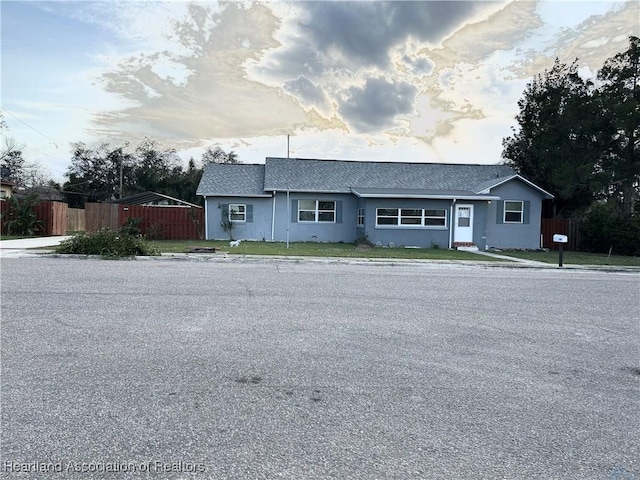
287	145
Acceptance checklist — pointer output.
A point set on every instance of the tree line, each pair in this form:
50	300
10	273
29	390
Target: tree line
109	172
580	139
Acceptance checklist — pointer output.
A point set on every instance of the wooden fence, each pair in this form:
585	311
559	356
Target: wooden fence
166	223
76	220
52	214
101	215
156	222
563	226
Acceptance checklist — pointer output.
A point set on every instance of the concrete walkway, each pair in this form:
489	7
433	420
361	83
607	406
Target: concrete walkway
524	261
10	248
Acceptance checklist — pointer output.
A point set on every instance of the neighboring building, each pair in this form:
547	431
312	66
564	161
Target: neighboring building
44	193
153	199
6	189
406	204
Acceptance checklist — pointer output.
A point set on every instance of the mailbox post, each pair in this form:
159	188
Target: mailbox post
561	240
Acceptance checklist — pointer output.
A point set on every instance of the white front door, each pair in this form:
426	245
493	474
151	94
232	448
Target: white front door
463	228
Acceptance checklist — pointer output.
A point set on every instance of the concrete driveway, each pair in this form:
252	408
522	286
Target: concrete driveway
10	248
261	370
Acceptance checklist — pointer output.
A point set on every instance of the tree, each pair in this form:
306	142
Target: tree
217	155
107	172
555	145
189	183
619	101
94	174
11	160
16	169
155	169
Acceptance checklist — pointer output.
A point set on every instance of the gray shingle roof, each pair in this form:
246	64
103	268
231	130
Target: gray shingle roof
228	180
342	176
336	176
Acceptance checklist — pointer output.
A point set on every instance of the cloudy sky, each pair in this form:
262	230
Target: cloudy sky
396	81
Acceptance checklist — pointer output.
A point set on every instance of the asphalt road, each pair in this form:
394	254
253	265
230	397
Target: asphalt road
275	369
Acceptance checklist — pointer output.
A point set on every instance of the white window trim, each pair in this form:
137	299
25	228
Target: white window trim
423	218
317	211
237	212
360	217
521	211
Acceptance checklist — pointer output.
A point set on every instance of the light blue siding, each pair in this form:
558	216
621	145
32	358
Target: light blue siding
425	237
257	226
514	235
480	223
342	230
489	230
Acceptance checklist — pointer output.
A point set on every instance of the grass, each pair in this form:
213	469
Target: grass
316	249
577	258
16	237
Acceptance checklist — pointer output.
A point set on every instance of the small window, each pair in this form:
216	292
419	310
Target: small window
316	211
237	212
513	211
387	216
410	216
435	218
360	220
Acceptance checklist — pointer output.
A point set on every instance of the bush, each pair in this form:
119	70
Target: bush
107	243
603	228
363	240
132	226
20	218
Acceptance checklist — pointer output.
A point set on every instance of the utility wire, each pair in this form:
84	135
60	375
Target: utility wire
29	126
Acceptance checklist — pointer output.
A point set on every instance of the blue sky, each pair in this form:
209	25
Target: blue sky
394	81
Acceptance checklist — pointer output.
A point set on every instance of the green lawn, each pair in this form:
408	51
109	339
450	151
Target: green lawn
318	250
577	258
16	237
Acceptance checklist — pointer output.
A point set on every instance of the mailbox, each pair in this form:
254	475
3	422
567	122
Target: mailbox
560	238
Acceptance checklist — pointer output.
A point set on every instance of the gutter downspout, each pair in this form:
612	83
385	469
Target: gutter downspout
206	220
451	224
273	218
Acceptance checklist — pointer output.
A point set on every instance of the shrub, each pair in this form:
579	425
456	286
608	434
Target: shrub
132	226
363	240
107	243
603	228
20	218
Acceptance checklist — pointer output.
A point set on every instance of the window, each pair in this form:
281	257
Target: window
316	211
237	212
387	216
435	218
411	217
464	216
360	220
513	211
